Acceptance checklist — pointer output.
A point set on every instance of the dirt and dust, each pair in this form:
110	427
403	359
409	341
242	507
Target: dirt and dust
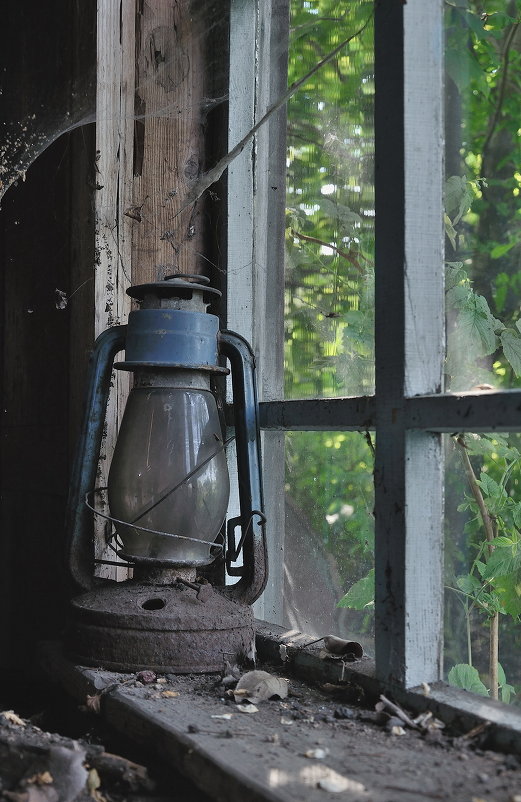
317	743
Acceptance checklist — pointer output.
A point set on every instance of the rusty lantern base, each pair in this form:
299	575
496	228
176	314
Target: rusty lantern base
167	628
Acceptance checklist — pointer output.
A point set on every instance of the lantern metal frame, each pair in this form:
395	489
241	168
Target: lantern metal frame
130	608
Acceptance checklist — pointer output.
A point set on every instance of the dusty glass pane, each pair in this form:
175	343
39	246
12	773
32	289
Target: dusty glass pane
329	535
483	181
483	564
330	202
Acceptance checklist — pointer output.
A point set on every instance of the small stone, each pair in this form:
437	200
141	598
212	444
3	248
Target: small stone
344	712
147	677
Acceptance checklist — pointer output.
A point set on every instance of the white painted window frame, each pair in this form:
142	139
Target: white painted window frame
409	410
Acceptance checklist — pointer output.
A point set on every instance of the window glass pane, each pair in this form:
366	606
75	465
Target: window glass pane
483	181
329	538
330	202
483	563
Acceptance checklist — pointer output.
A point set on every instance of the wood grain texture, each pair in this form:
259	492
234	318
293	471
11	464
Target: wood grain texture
255	277
113	257
169	138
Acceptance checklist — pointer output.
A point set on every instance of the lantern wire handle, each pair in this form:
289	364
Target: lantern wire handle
136	526
186	478
155	503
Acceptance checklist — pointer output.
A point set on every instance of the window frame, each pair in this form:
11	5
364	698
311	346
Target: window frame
409	410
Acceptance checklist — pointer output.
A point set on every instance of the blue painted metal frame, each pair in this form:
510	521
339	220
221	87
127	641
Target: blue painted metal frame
79	527
246	414
79	550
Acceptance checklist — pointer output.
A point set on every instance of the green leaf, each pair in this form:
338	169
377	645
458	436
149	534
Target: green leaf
454	274
361	594
517	515
476	326
508	589
500	250
450	230
468	584
489	486
458	296
465	676
511	343
501	563
506	693
337	211
506	689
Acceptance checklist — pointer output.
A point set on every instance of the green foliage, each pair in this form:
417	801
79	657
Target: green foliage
330	199
466	677
330	301
361	594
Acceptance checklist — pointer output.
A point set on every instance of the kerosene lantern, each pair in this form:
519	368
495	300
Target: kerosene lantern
168	490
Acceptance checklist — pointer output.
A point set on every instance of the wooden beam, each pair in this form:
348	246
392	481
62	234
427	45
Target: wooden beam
409	291
481	411
169	138
114	154
255	269
324	414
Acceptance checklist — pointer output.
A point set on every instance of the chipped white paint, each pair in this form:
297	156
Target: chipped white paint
255	278
410	341
424	336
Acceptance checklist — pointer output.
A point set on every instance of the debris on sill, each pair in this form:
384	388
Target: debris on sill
313	741
38	766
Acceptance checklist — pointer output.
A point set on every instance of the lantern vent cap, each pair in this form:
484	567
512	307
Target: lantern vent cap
177	285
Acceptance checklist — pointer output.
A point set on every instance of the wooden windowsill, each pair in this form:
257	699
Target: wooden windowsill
261	757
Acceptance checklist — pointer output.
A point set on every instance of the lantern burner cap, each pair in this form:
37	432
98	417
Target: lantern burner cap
177	285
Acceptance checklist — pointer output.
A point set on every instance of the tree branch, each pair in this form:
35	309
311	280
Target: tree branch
490	535
208	178
501	95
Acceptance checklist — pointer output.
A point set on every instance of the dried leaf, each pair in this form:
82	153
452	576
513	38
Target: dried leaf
343	648
336	783
93	703
426	721
11	716
286	720
316	754
43	778
247	709
169	694
256	686
93	785
386	704
396	730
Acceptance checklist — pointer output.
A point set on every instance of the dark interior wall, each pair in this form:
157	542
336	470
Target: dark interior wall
44	222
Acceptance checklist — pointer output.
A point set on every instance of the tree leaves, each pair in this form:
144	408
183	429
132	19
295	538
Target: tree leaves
361	594
465	676
511	342
476	326
502	561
